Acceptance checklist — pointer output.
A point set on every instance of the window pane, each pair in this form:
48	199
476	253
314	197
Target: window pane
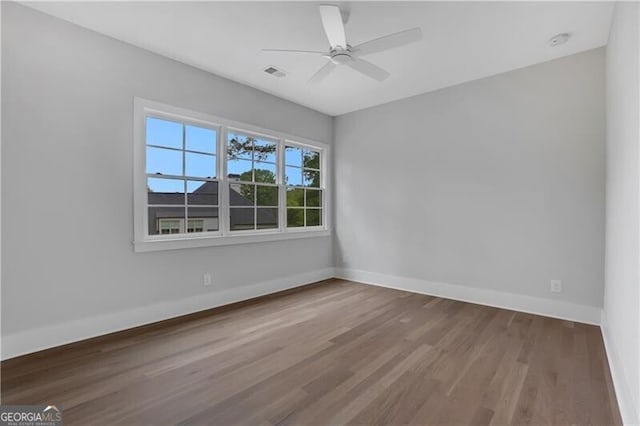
240	169
239	146
242	218
312	159
264	151
202	219
200	165
164	161
204	193
293	156
294	176
314	217
200	139
295	197
241	194
166	220
195	225
165	191
267	218
312	178
314	198
164	133
295	218
264	172
267	195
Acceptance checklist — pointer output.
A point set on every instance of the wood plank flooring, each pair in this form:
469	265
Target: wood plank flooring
332	353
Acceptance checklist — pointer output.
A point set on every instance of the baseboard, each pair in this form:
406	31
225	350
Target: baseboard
517	302
628	409
34	340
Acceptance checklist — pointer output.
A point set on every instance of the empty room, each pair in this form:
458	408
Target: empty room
320	213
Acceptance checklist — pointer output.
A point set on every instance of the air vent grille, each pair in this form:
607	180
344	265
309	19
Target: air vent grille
274	71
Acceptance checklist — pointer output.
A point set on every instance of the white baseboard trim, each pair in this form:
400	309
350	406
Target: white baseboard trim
498	299
34	340
628	410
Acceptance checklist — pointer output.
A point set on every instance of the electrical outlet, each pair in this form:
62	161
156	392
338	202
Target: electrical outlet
206	279
556	286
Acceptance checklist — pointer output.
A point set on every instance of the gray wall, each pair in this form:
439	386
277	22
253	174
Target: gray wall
67	215
495	184
621	318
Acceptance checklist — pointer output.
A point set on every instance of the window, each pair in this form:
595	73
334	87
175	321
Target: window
253	190
201	180
304	188
196	225
181	175
169	226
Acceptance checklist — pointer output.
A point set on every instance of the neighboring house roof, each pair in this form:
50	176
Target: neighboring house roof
202	199
178	212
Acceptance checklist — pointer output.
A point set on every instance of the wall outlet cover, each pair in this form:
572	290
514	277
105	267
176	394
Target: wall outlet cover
556	286
206	279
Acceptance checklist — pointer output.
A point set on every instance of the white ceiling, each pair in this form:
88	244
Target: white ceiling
462	41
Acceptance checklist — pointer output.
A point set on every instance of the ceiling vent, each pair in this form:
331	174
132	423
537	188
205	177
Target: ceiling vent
274	71
559	39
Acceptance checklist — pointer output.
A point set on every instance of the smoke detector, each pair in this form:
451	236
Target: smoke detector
559	39
274	71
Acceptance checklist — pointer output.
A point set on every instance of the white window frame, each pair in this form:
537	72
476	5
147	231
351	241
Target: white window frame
143	242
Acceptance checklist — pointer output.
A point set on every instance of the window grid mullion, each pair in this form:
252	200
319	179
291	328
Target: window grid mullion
304	196
169	148
224	214
176	177
282	188
184	180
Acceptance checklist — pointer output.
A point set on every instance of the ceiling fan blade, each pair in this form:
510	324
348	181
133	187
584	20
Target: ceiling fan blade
389	41
333	25
322	73
368	69
315	52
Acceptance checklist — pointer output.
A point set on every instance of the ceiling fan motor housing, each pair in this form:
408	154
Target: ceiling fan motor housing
340	55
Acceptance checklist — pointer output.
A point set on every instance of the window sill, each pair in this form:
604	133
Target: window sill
213	241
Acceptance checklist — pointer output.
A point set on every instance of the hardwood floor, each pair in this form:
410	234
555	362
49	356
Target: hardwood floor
332	353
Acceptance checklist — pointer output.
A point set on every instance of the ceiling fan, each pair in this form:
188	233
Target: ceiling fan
342	53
